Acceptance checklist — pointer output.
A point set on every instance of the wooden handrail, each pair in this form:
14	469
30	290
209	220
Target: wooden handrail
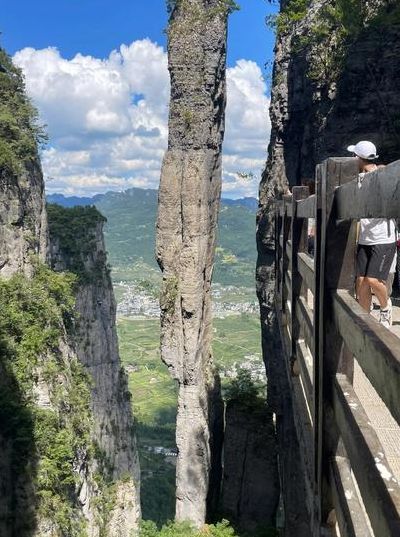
377	350
325	338
306	208
379	489
377	196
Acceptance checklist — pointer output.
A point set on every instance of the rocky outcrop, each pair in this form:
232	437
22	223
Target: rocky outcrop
189	197
68	461
82	251
250	490
23	229
317	110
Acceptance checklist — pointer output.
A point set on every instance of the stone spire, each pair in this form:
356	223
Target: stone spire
189	198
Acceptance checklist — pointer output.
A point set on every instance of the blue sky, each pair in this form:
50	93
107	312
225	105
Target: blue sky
57	42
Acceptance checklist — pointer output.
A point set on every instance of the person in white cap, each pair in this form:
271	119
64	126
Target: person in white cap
376	245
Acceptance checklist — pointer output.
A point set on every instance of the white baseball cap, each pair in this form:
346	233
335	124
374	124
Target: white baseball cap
365	150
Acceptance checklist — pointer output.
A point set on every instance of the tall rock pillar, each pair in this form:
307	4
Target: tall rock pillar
189	197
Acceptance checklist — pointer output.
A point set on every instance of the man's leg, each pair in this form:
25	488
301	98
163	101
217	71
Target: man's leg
380	290
364	295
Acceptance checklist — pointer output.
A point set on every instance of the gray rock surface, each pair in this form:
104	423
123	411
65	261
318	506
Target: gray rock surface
23	228
312	120
23	236
250	490
189	197
96	345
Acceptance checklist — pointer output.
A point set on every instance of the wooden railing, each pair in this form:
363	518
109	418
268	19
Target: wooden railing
323	330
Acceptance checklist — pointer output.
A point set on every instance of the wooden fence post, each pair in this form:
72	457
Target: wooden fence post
286	225
299	235
334	263
278	250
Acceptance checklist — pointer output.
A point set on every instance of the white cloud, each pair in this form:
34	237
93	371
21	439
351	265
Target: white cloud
247	129
107	119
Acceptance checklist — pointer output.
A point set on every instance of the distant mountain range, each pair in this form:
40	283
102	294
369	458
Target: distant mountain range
72	201
130	231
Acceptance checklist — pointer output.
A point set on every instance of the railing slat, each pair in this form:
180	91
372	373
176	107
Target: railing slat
305	318
289	251
305	370
287	202
349	512
306	269
306	208
304	429
378	196
376	348
379	489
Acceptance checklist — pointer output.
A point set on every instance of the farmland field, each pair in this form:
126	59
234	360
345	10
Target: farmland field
236	337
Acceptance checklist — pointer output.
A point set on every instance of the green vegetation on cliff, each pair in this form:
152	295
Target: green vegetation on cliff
74	231
184	529
243	391
20	131
224	6
332	29
46	440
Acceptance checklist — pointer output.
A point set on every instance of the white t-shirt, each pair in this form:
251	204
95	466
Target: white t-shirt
376	230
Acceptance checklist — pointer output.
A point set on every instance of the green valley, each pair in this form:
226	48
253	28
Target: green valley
130	240
130	235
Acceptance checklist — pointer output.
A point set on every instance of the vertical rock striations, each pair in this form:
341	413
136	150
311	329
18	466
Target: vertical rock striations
328	92
189	197
77	245
22	219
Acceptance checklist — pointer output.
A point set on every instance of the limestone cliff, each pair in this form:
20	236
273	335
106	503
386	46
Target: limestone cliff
335	82
21	235
77	245
189	197
68	463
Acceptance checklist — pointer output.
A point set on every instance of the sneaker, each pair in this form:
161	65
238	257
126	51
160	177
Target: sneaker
385	317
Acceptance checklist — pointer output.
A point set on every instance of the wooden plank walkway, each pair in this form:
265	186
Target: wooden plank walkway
381	419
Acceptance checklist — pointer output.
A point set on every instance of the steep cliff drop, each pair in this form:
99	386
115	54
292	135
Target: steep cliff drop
335	81
68	465
77	246
189	197
250	491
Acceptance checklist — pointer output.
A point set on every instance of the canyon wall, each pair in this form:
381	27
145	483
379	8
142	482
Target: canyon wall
250	489
68	457
77	245
328	92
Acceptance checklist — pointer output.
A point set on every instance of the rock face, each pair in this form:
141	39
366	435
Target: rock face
189	197
68	461
312	118
96	344
250	490
23	229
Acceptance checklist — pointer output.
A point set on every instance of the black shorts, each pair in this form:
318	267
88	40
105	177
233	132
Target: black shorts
375	260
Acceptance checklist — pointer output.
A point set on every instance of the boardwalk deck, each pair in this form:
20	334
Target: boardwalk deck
385	425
